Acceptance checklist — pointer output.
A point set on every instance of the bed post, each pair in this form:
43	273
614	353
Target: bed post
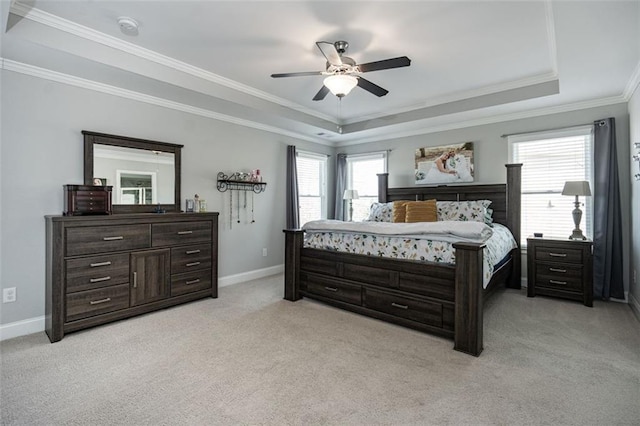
292	248
514	195
468	319
383	187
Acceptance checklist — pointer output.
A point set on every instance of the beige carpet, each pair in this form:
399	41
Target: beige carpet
250	357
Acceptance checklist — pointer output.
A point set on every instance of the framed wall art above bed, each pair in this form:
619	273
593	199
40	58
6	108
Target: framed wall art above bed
444	164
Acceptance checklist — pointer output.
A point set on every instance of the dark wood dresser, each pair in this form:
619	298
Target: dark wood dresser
105	268
560	268
86	199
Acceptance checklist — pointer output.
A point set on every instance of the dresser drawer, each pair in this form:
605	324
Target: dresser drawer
190	282
404	307
167	234
88	273
350	293
557	254
100	239
190	258
88	303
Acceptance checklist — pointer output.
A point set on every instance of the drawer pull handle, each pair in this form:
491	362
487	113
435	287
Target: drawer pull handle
558	282
135	280
192	251
113	238
97	302
193	281
558	270
193	264
397	305
185	232
557	254
93	265
97	280
331	289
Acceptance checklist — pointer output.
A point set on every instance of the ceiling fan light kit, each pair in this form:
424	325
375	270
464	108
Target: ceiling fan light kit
340	84
343	74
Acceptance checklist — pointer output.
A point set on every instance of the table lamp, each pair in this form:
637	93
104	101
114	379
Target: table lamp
577	188
350	195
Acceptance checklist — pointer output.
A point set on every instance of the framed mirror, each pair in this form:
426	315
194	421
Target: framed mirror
144	174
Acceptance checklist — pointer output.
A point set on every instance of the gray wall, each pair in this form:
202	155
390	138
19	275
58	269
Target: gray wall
490	153
634	129
42	149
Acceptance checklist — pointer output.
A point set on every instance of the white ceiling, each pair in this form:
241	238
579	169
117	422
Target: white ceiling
471	61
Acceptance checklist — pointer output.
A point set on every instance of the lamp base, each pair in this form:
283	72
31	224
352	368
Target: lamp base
577	235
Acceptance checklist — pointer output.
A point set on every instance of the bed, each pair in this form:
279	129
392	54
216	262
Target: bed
434	297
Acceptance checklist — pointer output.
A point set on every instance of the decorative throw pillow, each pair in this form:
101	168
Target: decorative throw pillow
380	212
476	211
421	211
399	211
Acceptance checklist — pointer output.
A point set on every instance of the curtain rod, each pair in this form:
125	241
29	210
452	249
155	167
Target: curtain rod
551	130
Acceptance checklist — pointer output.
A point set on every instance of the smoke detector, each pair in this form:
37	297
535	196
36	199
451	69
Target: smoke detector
128	26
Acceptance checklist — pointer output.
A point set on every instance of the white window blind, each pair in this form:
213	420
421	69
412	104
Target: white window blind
549	160
362	171
312	184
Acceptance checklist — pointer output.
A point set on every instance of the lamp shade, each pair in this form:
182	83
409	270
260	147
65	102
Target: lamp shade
350	194
340	84
576	187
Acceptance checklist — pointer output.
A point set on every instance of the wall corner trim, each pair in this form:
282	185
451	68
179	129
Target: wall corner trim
251	275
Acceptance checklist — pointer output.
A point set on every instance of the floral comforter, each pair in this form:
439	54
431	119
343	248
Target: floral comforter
414	247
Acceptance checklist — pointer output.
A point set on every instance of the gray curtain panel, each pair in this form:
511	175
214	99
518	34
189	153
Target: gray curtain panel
341	185
607	217
293	212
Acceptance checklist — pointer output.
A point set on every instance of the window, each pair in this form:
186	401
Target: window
549	160
362	176
312	186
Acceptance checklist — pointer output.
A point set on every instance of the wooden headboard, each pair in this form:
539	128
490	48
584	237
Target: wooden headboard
505	197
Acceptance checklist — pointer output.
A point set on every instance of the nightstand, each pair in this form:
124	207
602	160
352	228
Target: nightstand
560	268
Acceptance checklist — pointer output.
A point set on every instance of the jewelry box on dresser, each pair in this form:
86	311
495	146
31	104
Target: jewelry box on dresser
106	268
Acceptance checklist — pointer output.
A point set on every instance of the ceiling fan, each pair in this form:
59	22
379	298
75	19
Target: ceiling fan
343	74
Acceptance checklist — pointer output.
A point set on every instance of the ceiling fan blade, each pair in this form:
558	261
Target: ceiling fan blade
322	93
329	51
385	64
296	74
371	87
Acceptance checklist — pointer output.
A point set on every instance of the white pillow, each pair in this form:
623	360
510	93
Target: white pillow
476	211
380	212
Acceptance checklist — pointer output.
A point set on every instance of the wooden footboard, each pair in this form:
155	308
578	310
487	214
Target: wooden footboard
441	299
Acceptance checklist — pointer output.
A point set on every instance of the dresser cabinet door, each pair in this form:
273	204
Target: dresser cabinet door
150	276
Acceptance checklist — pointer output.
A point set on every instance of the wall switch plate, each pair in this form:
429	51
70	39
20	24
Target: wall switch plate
264	252
8	295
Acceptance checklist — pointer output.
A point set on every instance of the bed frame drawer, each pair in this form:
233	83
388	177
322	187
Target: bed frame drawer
332	289
421	311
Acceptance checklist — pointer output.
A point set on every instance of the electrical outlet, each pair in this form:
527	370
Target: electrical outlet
8	295
264	252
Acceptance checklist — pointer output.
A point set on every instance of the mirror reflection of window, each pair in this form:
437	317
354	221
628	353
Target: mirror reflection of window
137	165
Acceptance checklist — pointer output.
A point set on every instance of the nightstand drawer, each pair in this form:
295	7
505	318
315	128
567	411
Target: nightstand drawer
559	271
558	254
554	281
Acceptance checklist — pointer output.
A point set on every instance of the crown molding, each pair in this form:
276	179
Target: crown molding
31	70
551	34
89	34
576	106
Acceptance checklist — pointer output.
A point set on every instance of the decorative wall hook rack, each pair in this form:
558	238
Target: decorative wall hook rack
239	182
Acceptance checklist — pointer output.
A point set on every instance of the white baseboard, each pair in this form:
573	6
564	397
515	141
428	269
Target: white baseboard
21	328
36	325
251	275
